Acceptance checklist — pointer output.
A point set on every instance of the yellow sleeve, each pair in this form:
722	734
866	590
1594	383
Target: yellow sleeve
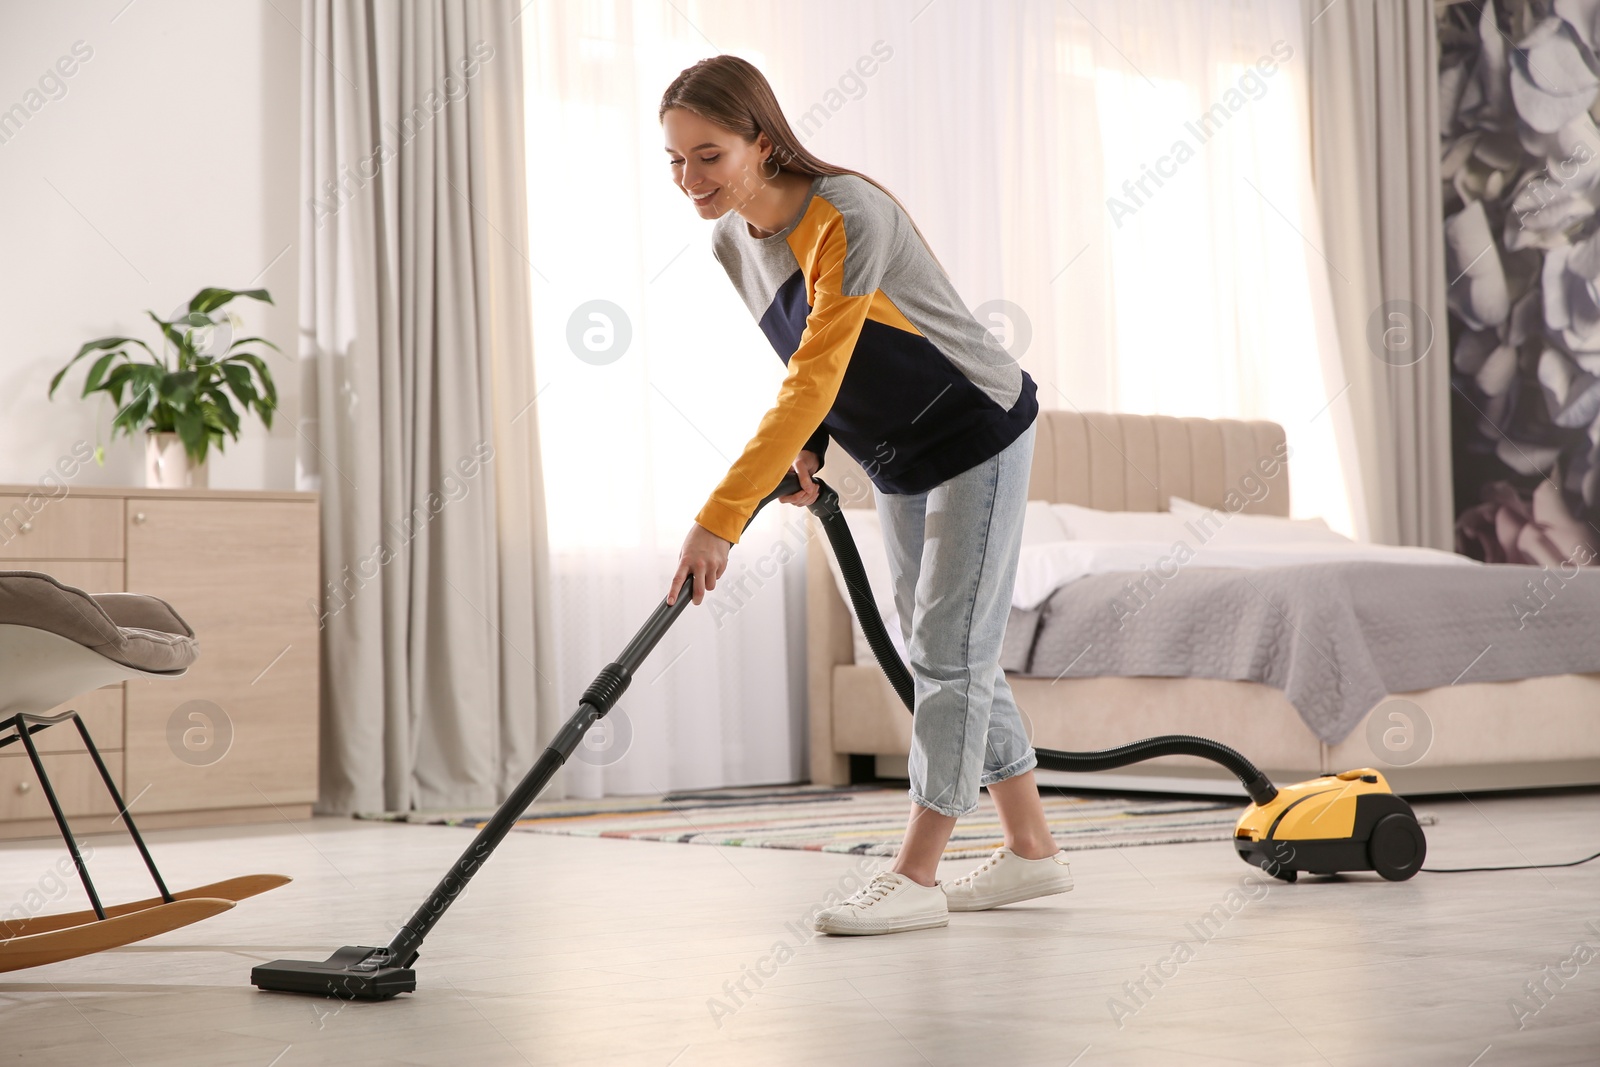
804	400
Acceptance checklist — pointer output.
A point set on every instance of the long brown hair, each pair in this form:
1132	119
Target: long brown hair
733	94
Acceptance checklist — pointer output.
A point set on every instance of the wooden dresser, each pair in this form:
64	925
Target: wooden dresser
235	739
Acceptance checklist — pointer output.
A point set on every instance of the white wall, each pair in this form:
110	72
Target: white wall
169	163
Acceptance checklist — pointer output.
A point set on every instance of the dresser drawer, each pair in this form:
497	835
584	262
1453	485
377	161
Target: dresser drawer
69	527
77	783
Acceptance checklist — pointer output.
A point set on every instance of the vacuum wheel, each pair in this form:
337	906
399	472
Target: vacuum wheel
1397	847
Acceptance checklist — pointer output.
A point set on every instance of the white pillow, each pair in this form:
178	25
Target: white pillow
1039	526
1092	524
1218	526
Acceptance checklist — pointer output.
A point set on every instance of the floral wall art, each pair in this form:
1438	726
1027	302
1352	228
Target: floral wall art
1519	99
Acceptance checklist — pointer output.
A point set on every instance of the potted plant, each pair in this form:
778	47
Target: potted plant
185	403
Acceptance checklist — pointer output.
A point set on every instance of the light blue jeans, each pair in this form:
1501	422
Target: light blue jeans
953	557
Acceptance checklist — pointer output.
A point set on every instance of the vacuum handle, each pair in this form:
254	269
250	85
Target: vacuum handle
790	484
664	615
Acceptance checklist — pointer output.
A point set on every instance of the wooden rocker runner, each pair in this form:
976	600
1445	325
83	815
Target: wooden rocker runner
57	643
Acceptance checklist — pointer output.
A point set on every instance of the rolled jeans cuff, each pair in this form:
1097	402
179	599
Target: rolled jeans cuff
1021	766
942	809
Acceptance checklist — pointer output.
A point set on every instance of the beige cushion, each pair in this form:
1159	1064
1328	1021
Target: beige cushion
142	632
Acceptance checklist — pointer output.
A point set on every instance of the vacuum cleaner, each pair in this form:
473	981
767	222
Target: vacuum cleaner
1336	823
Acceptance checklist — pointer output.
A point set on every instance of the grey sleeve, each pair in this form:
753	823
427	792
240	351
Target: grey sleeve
871	231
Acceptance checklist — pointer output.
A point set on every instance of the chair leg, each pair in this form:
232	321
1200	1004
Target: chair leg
122	809
55	807
26	726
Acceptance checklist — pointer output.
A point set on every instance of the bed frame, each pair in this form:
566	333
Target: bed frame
1537	732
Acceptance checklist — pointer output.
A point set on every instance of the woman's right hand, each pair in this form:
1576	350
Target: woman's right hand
705	557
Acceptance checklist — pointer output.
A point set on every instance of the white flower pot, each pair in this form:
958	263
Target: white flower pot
167	466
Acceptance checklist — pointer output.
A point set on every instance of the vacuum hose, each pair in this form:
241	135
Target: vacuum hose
827	510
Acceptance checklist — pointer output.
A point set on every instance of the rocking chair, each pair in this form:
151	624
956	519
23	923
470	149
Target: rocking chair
57	643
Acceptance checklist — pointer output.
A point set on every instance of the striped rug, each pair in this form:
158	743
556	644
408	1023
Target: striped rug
866	820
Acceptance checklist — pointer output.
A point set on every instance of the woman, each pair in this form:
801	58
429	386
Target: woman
883	357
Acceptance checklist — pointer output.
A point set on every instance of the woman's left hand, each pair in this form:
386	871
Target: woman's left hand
805	465
704	555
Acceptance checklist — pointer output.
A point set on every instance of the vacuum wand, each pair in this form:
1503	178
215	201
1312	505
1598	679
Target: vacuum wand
364	972
601	696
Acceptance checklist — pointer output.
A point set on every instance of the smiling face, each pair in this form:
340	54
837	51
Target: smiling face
716	169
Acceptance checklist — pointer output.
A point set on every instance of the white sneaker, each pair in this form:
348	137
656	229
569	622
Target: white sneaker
1005	878
888	904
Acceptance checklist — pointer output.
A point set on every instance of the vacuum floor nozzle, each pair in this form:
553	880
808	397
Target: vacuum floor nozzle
355	972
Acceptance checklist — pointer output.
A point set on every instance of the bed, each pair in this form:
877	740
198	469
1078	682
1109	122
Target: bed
1520	733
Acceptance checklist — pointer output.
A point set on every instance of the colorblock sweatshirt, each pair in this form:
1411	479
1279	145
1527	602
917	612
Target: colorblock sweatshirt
882	355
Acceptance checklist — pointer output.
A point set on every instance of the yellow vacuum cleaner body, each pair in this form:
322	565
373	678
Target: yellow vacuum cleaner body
1349	821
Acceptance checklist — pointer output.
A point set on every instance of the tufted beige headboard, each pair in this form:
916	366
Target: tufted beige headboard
1134	463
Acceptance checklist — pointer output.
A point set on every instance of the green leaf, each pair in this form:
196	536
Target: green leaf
222	408
178	388
211	299
60	374
192	431
109	342
239	382
174	337
116	380
146	376
96	372
130	418
265	375
93	346
254	340
206	373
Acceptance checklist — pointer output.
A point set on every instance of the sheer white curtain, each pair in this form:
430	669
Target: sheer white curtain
1159	224
1005	129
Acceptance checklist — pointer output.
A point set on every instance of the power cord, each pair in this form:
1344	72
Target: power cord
1523	867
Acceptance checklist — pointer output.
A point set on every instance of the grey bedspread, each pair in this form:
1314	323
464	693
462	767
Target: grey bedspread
1335	637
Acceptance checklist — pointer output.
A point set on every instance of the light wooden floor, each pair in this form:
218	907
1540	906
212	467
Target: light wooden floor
582	952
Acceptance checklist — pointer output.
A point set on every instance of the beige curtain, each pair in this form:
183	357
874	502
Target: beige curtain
1375	153
421	432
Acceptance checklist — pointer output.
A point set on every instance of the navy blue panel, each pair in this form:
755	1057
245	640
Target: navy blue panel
899	384
785	320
